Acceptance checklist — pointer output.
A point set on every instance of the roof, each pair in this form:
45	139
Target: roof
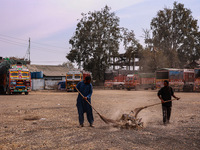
171	69
49	70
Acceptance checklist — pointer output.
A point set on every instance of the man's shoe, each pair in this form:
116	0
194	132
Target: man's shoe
91	125
81	125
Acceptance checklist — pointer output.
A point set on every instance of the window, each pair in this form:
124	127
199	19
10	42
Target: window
197	73
14	74
162	75
77	76
69	77
24	73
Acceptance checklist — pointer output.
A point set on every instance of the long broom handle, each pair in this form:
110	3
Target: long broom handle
159	103
86	100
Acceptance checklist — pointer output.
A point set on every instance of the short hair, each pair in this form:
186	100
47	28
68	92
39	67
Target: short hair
167	82
87	78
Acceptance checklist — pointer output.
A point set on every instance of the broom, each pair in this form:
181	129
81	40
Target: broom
106	120
137	110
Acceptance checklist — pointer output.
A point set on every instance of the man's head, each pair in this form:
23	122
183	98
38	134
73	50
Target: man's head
87	80
166	83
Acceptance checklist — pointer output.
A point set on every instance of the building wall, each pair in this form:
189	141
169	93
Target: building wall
51	84
37	84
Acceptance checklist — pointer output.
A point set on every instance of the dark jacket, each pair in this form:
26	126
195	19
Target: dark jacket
166	92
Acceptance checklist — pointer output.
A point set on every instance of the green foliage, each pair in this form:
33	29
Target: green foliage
131	45
175	33
96	38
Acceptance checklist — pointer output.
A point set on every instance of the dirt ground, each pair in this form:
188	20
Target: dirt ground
48	120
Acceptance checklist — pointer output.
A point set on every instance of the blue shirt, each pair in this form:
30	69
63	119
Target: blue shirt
86	90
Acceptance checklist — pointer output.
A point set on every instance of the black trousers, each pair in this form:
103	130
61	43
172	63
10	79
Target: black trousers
166	113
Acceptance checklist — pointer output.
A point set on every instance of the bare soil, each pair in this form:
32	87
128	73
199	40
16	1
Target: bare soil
48	120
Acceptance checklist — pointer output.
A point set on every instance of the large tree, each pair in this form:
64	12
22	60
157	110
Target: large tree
175	33
96	38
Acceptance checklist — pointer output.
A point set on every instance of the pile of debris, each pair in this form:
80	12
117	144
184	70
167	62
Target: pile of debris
129	121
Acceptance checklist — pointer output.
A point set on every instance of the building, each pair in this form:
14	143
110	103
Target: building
124	62
52	75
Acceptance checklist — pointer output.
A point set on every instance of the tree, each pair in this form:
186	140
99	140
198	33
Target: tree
175	32
96	38
68	64
131	44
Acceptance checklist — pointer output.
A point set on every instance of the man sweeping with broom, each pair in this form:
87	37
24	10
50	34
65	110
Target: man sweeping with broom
85	87
165	94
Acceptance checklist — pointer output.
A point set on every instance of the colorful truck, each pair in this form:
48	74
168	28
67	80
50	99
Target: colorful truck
73	77
114	80
197	80
147	81
174	76
132	81
188	78
14	78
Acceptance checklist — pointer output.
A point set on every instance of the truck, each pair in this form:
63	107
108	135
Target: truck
113	80
174	76
188	79
147	81
14	77
197	80
73	77
132	81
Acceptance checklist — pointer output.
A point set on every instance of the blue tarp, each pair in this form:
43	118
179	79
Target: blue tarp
61	85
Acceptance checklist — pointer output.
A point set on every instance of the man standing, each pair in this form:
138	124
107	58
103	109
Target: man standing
85	87
165	94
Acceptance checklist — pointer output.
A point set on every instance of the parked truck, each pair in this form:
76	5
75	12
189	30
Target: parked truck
197	80
174	76
188	79
147	81
132	81
73	77
113	80
14	77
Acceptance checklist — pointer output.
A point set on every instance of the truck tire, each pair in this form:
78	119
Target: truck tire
26	93
120	86
8	91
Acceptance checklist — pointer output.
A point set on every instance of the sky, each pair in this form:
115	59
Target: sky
51	23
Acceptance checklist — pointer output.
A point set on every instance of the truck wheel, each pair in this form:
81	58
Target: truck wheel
26	93
8	91
120	86
128	89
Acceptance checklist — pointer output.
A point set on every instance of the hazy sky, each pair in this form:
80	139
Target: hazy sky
51	23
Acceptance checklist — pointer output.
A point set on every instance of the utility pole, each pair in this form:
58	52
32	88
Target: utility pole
28	52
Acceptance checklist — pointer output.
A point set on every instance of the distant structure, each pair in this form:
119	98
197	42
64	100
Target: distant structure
123	62
47	76
193	64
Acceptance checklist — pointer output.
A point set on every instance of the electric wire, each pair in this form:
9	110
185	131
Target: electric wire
45	46
35	47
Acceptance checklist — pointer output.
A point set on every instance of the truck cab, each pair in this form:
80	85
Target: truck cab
132	82
19	80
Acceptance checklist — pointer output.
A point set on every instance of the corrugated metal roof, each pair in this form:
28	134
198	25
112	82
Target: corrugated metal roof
49	70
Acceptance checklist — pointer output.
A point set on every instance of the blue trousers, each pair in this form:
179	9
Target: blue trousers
82	108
